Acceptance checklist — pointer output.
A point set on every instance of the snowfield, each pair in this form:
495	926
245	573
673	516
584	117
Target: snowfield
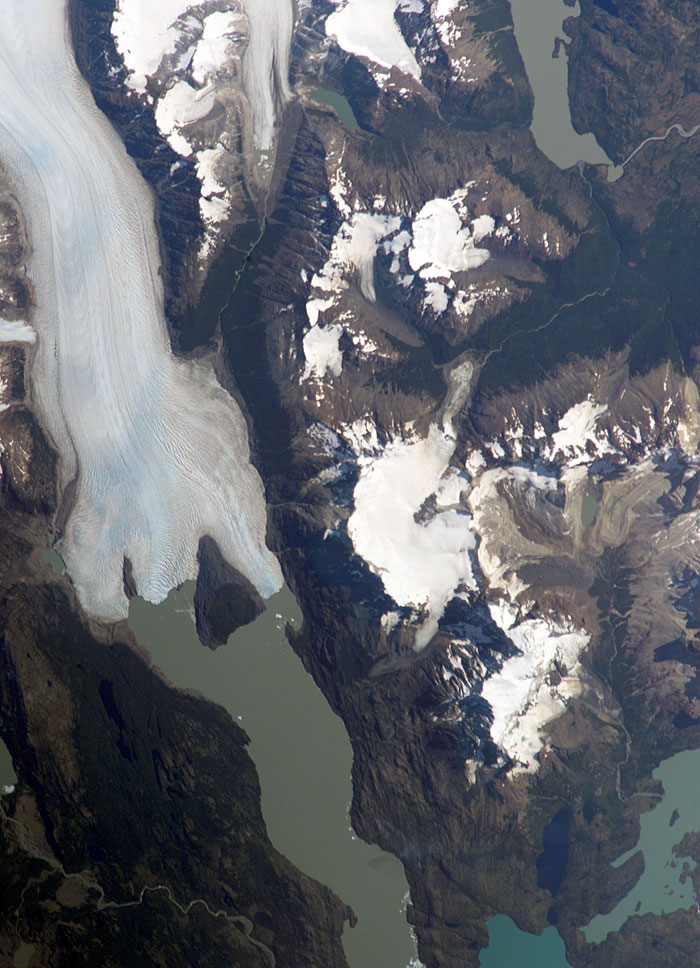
368	28
411	525
158	450
420	564
521	695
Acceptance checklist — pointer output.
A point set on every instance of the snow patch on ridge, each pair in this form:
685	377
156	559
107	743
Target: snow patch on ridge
16	331
321	351
442	244
577	429
145	33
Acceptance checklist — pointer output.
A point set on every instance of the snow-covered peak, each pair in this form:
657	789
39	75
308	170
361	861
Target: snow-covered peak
532	688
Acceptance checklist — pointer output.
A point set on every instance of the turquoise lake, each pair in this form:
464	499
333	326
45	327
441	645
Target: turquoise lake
509	947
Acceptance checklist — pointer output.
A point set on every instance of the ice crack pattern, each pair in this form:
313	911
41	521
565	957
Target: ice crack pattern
157	450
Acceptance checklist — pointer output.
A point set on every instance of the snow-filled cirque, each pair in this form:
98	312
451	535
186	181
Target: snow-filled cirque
157	449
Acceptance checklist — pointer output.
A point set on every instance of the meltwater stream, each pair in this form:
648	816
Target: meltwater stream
302	754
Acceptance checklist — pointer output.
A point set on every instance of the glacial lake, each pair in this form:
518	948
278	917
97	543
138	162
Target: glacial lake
51	557
339	103
23	955
302	754
662	888
509	947
537	25
589	506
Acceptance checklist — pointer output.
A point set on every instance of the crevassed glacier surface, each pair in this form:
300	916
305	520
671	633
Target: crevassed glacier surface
158	451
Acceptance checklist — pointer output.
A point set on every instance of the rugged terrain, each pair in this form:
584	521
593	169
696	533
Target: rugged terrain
122	838
426	300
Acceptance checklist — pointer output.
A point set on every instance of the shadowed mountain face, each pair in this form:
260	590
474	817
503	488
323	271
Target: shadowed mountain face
469	379
96	734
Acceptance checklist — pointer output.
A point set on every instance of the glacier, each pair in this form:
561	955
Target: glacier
145	33
153	452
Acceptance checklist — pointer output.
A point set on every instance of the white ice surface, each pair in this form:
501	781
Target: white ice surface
436	297
214	199
266	63
368	28
419	564
181	105
16	331
321	351
443	8
158	449
577	429
314	307
354	248
144	33
441	243
206	169
482	226
213	47
520	695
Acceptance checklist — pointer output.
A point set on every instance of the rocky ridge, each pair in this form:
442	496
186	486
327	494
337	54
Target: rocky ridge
570	453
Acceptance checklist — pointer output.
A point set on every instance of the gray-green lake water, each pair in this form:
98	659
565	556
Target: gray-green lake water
302	754
663	887
51	557
537	25
8	777
509	947
339	103
589	506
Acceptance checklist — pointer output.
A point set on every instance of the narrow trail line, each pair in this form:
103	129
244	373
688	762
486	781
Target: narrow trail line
603	292
239	921
538	329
